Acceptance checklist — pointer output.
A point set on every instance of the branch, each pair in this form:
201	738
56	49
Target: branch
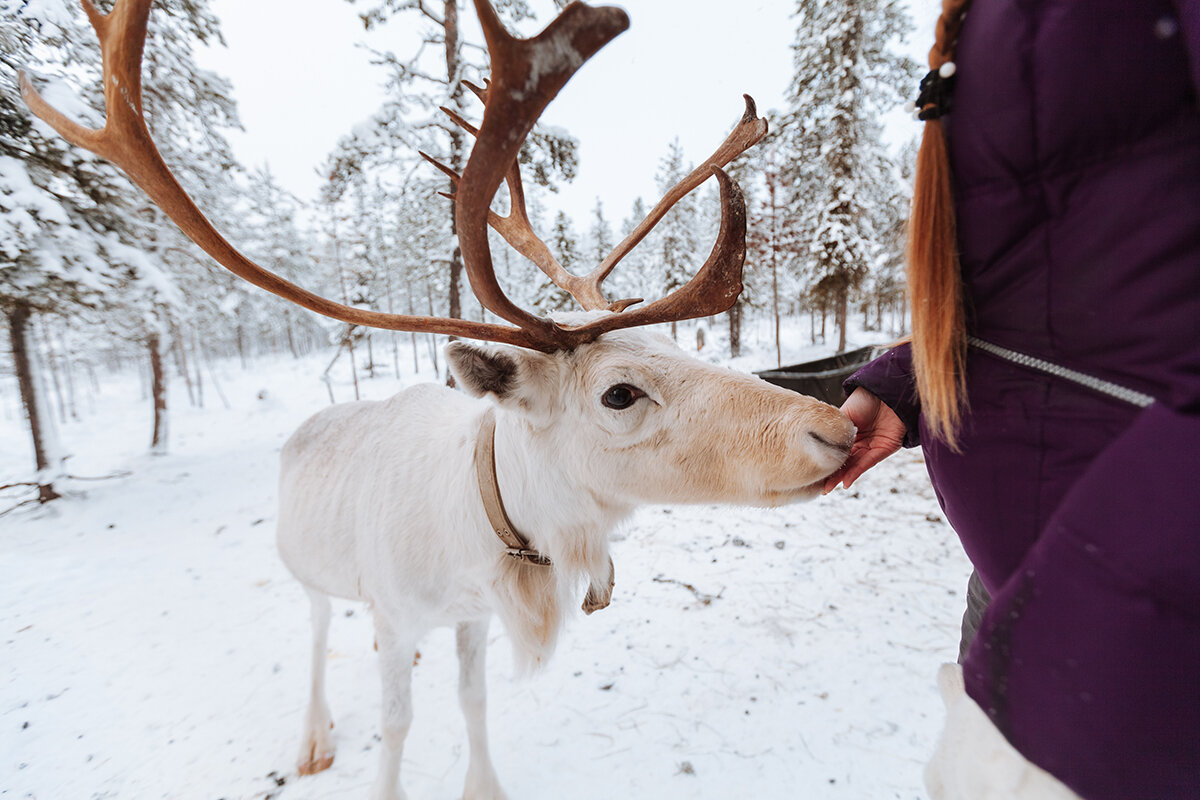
18	505
111	476
704	597
429	14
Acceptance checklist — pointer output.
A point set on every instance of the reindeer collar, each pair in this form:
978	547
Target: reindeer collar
516	545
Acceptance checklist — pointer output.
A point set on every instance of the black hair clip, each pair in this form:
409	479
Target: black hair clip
937	93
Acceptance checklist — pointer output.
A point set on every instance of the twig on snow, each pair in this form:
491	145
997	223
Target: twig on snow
703	597
18	505
124	473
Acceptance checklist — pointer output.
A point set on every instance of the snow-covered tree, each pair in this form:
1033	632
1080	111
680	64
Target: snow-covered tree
66	218
270	234
79	235
600	237
633	275
845	76
564	243
753	173
420	83
885	289
674	240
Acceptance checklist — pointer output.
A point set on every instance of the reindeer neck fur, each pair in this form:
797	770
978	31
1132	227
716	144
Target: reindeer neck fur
553	502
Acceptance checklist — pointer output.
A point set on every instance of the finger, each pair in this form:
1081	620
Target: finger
860	463
832	481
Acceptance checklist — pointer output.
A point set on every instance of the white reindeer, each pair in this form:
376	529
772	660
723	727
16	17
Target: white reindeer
379	500
439	509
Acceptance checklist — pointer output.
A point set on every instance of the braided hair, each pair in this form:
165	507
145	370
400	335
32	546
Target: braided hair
939	341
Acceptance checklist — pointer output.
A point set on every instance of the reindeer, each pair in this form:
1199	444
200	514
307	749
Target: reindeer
439	508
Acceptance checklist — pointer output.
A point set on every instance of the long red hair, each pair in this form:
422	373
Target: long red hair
939	339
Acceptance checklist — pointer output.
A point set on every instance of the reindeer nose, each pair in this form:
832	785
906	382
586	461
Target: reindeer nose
842	448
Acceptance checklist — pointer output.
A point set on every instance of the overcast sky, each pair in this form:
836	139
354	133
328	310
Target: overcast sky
302	81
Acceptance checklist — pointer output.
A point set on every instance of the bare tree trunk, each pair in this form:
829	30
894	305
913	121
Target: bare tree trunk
353	366
735	330
843	315
198	351
775	268
241	345
212	373
18	330
457	155
158	382
181	363
433	353
291	336
52	363
391	302
413	334
68	376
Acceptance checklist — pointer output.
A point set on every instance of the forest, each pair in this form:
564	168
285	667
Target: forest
95	280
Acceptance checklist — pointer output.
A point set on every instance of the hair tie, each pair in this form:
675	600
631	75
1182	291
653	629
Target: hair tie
936	96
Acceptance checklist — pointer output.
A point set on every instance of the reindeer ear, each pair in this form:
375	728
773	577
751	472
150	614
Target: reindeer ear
509	374
483	370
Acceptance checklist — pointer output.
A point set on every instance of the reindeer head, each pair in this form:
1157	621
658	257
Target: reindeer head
643	422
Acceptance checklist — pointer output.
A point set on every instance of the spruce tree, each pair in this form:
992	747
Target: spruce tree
674	240
564	244
67	219
845	77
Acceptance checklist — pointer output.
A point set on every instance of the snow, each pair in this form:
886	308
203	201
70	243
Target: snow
156	647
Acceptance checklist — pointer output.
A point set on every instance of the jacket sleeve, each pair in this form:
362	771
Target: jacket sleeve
1188	12
891	378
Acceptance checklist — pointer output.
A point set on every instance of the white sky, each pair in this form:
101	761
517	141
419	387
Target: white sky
680	70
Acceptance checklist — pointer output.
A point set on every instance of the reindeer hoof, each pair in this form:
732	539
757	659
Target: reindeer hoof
317	754
316	764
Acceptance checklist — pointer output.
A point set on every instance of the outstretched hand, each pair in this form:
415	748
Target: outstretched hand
880	433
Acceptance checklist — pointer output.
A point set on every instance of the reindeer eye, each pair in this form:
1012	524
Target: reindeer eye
621	396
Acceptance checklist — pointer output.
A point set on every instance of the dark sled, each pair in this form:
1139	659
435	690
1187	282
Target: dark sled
822	378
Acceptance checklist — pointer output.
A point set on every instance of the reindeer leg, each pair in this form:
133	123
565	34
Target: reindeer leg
472	695
316	747
397	645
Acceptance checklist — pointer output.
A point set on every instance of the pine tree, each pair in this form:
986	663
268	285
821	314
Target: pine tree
600	236
565	246
269	233
845	77
675	242
66	219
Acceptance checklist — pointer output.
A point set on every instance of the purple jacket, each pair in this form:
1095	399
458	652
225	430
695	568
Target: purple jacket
1075	145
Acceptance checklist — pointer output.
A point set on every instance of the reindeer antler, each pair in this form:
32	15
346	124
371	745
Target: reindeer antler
517	230
526	75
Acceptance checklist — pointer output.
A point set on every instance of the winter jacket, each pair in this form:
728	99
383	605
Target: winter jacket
1075	147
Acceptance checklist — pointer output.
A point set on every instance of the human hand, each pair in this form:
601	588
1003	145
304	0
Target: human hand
880	433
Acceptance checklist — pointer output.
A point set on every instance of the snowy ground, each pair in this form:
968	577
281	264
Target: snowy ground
155	647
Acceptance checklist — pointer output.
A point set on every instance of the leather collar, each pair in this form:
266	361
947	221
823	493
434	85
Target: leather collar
516	545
